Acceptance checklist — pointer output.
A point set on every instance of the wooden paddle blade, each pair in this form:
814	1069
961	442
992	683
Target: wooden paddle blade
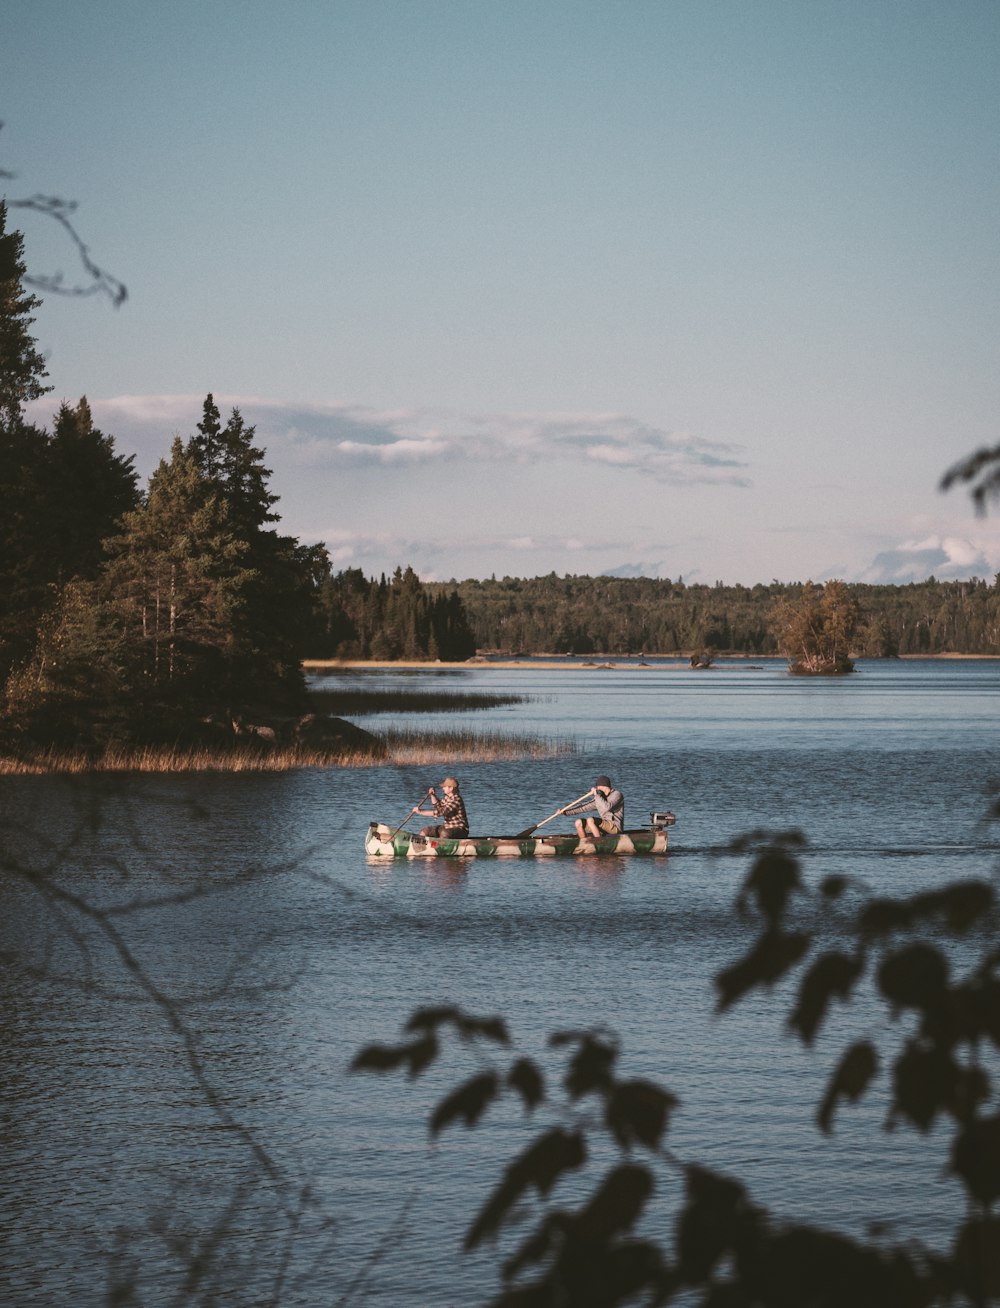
523	835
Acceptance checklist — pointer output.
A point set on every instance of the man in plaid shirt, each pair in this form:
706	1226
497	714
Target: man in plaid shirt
450	809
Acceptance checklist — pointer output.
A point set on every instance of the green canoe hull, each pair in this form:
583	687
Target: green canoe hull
382	843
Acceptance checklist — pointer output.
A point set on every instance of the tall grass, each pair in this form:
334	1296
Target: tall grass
402	746
469	747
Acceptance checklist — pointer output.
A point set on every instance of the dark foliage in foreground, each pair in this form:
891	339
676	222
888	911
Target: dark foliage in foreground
932	960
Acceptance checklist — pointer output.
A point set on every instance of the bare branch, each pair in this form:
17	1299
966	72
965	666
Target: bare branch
101	281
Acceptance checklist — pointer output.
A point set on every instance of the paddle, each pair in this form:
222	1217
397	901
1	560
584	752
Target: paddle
523	835
414	809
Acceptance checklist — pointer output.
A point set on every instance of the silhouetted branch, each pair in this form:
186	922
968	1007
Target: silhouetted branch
52	206
985	464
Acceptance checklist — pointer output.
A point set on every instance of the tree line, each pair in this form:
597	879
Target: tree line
391	618
632	615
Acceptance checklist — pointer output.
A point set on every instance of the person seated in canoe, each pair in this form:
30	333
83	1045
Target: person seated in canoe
450	809
609	805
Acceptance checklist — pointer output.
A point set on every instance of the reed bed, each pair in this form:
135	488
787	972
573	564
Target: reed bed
359	703
469	747
401	746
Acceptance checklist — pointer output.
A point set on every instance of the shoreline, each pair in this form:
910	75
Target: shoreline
595	663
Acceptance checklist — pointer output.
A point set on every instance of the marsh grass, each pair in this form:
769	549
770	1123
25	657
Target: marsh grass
417	746
401	746
358	703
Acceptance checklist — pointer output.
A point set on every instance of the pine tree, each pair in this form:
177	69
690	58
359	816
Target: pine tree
206	447
63	495
229	460
179	583
88	489
22	367
24	580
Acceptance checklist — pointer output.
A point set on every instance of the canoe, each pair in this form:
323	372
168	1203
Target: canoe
381	842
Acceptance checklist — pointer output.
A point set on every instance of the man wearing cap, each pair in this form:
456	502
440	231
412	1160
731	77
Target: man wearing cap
449	809
610	806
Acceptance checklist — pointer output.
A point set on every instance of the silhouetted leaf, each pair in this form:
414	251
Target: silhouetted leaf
468	1102
379	1058
488	1028
467	1026
539	1167
415	1057
851	1079
714	1214
638	1112
772	956
804	1266
977	1258
880	917
548	1237
975	1157
527	1080
833	974
429	1019
987	1005
957	1017
833	887
773	877
761	838
617	1203
960	904
927	1081
591	1066
609	1275
914	977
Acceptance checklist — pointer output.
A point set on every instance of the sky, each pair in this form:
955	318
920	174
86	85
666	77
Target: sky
705	289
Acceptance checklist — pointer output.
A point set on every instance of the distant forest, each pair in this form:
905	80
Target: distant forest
616	615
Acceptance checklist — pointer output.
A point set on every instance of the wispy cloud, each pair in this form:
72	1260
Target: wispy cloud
352	435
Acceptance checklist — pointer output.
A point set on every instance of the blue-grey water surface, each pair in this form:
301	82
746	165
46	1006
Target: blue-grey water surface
173	1078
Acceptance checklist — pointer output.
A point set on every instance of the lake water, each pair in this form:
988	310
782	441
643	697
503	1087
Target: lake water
173	1072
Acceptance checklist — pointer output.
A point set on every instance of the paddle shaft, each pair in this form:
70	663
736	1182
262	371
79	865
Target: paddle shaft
523	835
416	809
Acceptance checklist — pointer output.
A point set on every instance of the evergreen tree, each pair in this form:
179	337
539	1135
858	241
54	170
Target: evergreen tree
88	489
206	447
280	615
451	637
24	580
179	582
63	494
74	690
22	368
229	460
22	371
394	619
